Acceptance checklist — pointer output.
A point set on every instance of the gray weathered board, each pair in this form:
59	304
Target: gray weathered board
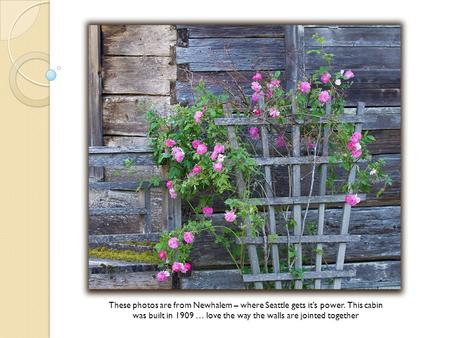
368	275
124	123
372	51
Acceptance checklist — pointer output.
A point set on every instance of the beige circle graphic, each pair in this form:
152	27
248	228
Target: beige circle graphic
20	15
13	79
8	13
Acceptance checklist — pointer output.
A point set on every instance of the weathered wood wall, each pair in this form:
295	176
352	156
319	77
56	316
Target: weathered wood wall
146	66
138	73
223	56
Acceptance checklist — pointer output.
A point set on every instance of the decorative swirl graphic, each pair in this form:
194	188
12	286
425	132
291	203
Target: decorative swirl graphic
19	62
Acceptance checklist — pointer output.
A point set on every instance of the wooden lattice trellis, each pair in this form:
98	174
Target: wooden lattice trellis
295	55
298	239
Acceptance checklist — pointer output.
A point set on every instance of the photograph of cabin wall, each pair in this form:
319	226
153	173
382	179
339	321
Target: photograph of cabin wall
156	66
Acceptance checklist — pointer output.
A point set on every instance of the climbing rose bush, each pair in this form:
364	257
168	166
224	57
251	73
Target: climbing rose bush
200	160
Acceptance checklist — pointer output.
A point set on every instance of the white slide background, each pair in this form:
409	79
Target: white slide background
419	309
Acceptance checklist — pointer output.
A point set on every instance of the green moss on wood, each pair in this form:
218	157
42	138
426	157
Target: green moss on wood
124	255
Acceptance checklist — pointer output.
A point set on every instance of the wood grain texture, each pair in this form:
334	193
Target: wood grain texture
343	36
369	276
115	224
232	31
95	95
376	87
269	277
126	115
138	75
127	281
125	141
106	224
302	239
207	254
228	54
154	40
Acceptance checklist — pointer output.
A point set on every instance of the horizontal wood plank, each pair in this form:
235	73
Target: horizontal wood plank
101	239
344	36
207	254
127	281
127	115
131	186
130	75
120	156
270	277
368	58
110	160
101	150
232	31
301	200
378	119
117	211
154	40
125	141
371	86
369	276
301	239
226	54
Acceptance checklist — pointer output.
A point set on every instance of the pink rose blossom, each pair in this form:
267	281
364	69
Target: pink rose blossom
187	266
172	193
274	84
184	269
197	169
352	199
280	142
218	166
179	157
195	143
273	112
178	154
356	137
177	266
354	146
162	276
173	243
324	97
214	155
230	216
348	75
256	87
162	255
257	77
305	87
254	133
207	211
201	149
219	148
170	143
198	116
356	153
325	77
169	184
255	98
188	237
257	112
